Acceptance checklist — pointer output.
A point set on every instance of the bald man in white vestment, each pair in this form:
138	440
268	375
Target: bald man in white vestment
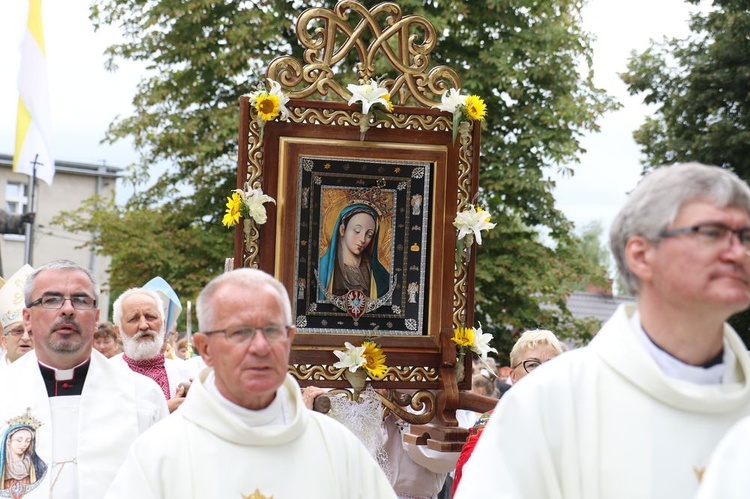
66	412
638	411
244	430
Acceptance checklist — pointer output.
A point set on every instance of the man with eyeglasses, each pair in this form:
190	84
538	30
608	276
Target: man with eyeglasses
84	411
138	315
244	430
638	411
15	340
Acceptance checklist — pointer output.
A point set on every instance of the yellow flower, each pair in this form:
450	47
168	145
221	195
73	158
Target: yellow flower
475	107
389	104
463	336
374	360
267	106
232	216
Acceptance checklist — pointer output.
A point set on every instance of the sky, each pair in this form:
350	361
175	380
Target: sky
85	98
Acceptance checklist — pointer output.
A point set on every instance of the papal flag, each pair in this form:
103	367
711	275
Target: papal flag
33	126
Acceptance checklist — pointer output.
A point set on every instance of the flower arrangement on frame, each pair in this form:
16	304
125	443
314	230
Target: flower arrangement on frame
375	99
248	204
359	362
462	107
470	223
269	103
469	339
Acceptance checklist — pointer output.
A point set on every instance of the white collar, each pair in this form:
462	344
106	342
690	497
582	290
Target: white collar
274	414
675	368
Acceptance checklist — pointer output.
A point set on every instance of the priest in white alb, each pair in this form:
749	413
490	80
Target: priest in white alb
244	430
68	415
637	412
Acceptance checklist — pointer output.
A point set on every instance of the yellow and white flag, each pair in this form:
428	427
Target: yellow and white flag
33	125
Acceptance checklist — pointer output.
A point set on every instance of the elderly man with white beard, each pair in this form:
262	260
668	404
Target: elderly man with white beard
138	316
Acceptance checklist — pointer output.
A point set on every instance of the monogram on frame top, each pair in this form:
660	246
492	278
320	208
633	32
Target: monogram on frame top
402	43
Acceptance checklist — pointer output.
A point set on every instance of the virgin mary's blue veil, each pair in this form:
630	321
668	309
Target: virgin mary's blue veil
40	467
327	262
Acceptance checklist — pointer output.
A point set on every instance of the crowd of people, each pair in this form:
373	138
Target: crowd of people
656	405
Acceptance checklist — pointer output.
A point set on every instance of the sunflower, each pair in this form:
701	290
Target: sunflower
389	106
232	216
267	106
374	360
463	336
475	107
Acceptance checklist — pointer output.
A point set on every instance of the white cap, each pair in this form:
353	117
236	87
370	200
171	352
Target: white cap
11	296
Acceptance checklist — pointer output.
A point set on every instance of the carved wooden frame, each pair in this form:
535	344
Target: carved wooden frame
268	158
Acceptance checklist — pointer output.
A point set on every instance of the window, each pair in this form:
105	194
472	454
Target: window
16	203
16	197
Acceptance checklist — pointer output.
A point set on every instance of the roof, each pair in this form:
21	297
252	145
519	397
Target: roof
595	305
73	167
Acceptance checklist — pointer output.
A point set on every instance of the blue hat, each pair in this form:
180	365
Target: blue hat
172	306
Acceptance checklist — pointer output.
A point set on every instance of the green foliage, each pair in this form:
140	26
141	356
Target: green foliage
700	86
144	243
529	60
596	255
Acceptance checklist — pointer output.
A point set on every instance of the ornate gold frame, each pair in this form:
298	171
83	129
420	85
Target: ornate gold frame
405	44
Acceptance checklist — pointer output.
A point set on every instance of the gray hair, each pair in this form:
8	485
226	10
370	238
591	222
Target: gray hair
657	200
534	338
117	306
28	288
251	280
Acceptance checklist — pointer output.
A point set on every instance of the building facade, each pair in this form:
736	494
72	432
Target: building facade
73	183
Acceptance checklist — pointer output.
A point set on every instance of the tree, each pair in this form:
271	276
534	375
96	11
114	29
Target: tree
530	60
596	255
700	88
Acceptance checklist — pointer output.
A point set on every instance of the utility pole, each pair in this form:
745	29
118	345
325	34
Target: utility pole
30	227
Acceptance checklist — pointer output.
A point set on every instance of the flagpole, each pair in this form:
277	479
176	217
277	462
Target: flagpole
28	257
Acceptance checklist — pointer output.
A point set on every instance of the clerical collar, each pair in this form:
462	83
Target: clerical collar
712	373
61	382
276	413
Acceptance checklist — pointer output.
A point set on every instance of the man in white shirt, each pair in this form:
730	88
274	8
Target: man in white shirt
244	430
638	411
73	413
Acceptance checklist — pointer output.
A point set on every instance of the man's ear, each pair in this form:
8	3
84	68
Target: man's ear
638	256
27	320
200	341
117	332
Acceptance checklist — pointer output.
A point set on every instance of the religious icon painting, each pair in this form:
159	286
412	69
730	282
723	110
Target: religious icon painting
360	244
21	468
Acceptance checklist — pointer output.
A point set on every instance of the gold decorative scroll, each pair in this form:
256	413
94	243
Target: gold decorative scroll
402	42
310	372
464	198
254	178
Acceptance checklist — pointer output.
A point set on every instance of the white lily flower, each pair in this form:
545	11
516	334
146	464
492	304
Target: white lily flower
253	201
283	99
481	345
473	221
352	358
451	100
368	94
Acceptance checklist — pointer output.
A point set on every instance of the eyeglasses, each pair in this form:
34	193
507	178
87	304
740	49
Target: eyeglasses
56	302
245	334
529	364
713	234
16	333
